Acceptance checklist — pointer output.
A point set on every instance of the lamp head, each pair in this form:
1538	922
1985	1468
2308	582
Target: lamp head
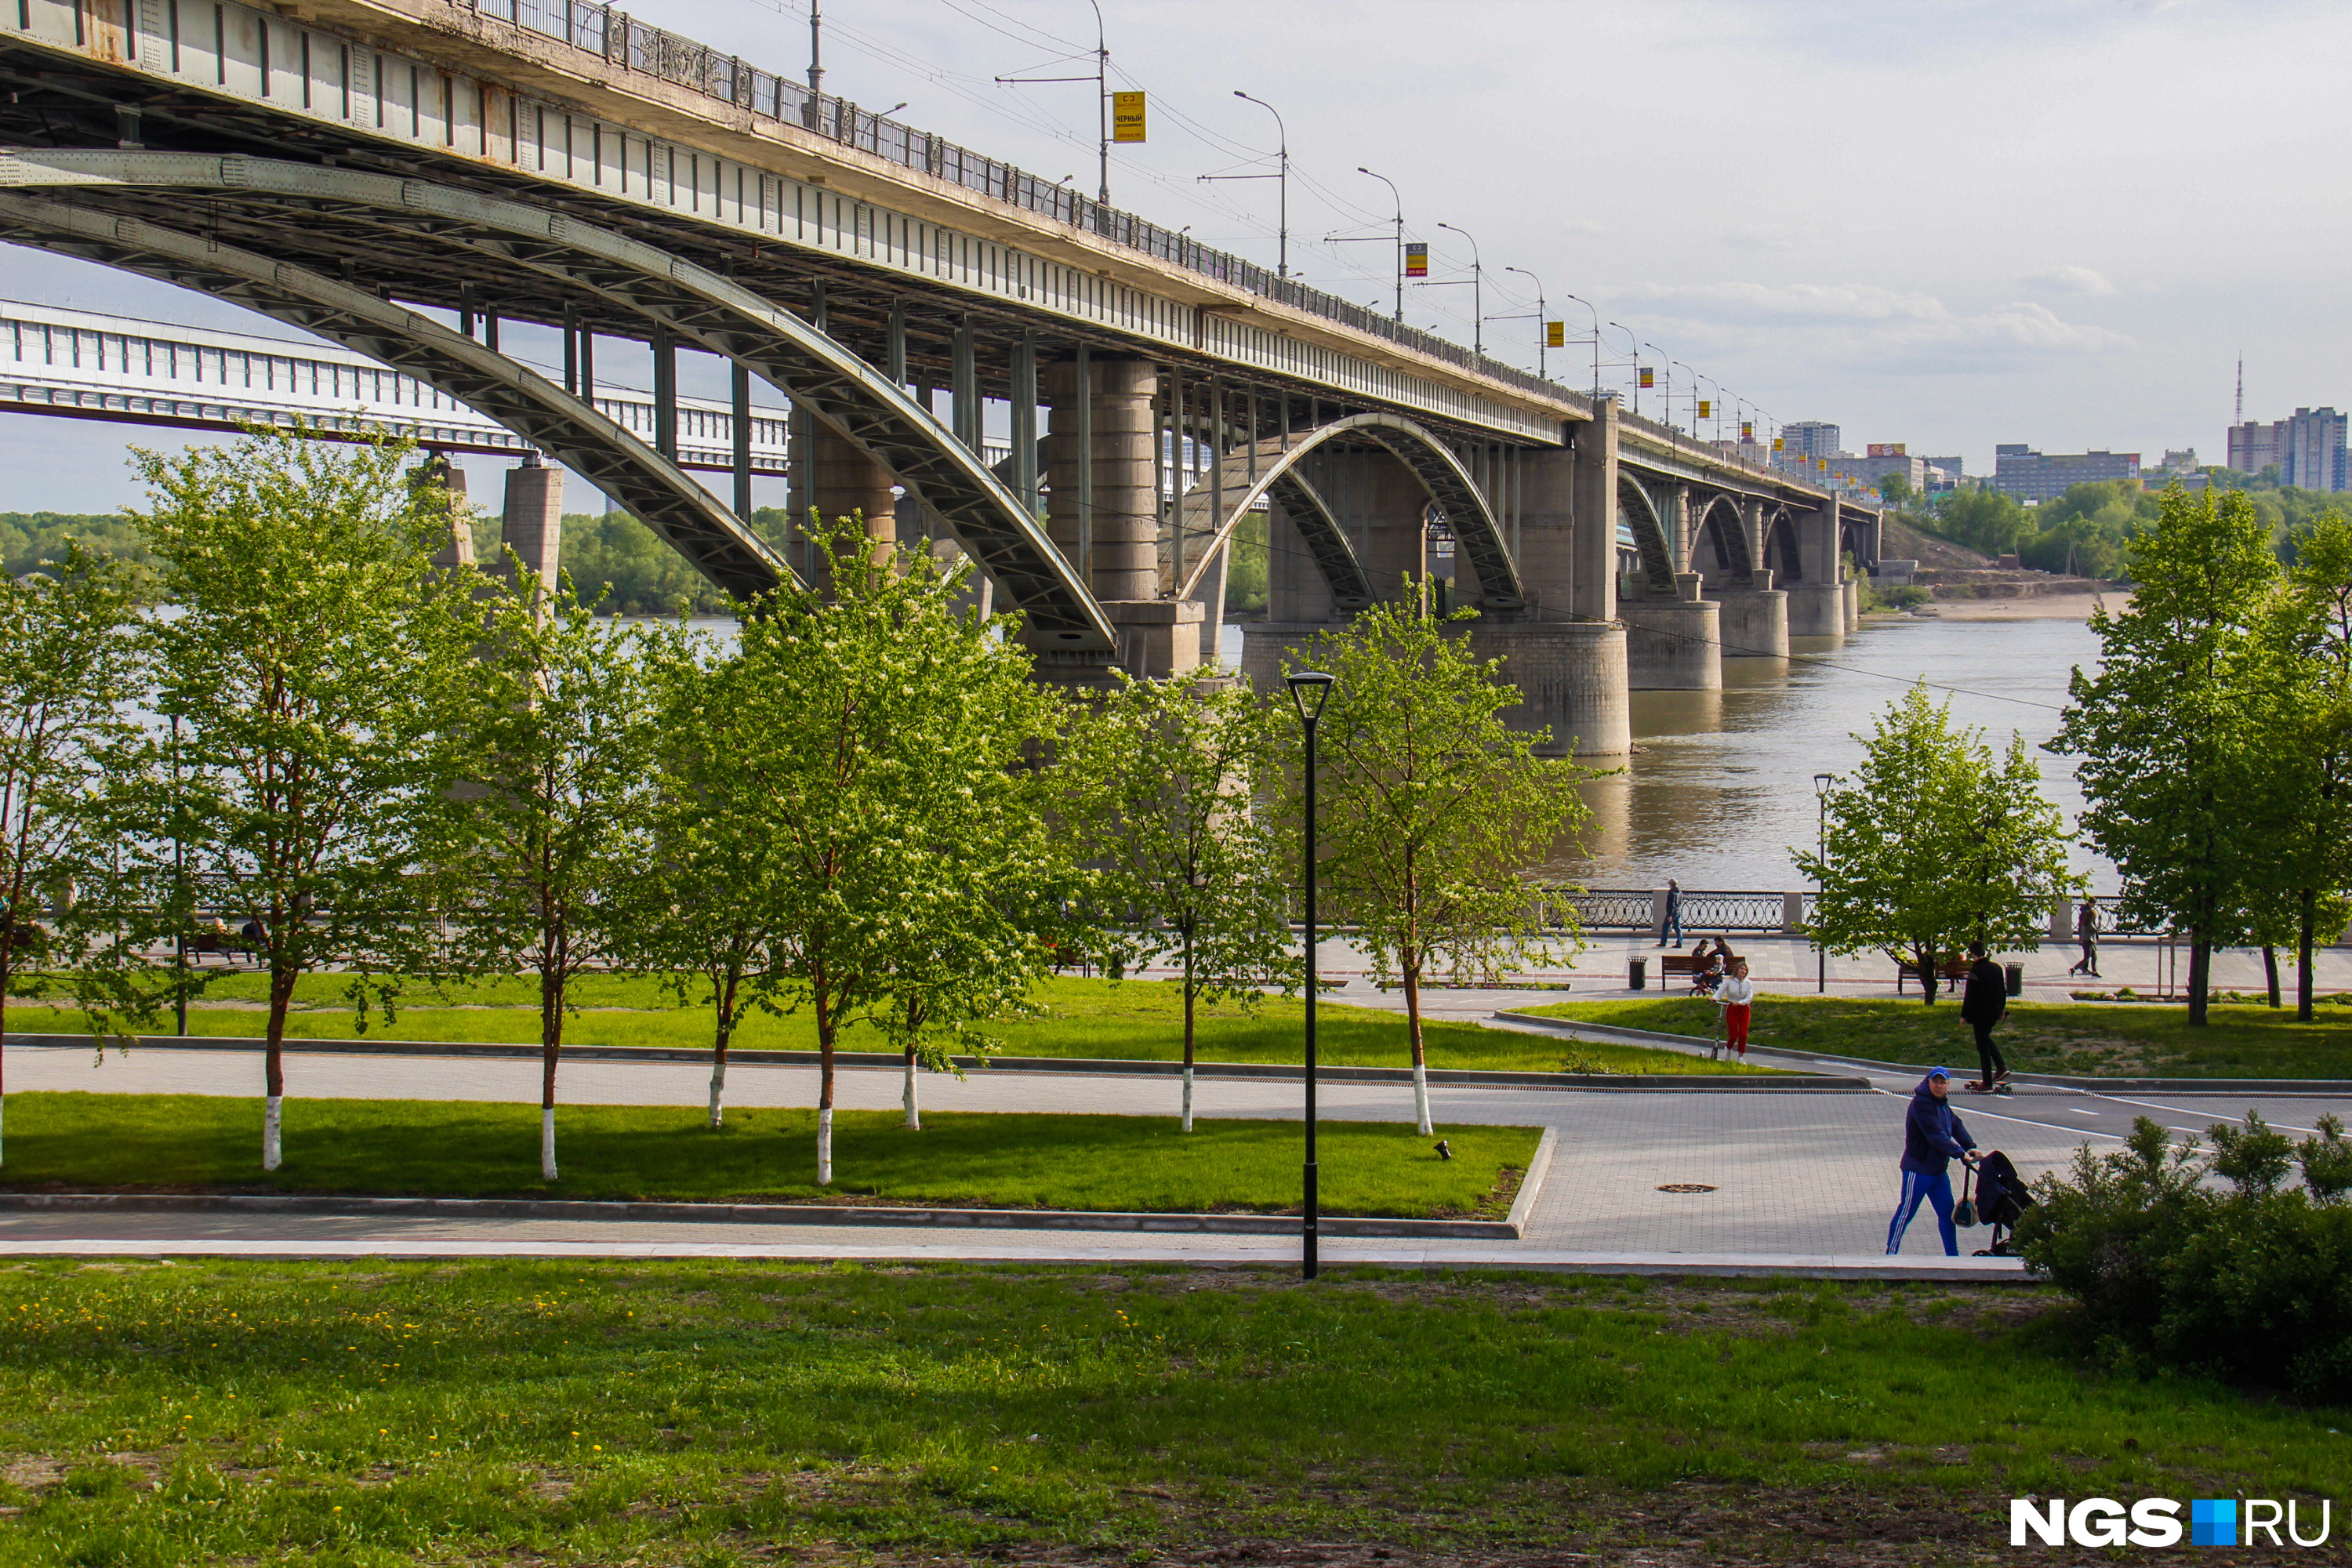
1822	782
1309	689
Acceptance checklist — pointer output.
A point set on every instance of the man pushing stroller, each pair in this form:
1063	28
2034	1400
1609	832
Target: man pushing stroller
1933	1136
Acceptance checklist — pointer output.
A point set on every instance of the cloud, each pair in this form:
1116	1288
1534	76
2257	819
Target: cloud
2066	281
1770	236
1864	326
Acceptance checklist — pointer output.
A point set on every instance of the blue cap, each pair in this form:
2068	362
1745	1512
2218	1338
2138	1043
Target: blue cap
1940	1072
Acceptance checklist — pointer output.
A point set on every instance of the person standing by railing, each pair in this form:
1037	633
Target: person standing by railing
2086	931
1673	925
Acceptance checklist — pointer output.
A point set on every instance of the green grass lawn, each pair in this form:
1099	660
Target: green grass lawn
2120	1039
1135	1020
112	1143
713	1413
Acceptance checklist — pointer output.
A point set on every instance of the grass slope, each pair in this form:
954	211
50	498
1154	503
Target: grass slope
715	1414
2119	1039
102	1143
1135	1020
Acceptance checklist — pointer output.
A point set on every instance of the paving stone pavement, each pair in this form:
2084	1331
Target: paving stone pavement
1792	1174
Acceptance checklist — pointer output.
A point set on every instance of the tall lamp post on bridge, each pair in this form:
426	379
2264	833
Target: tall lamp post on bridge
1634	349
1281	173
1543	318
1596	344
1374	238
1667	363
1101	79
1477	290
1309	689
1822	782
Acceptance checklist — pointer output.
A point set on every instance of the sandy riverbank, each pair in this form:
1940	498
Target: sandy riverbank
2055	607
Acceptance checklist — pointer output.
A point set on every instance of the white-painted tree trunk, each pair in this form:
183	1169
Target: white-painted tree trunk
3	1111
547	1144
1188	1097
270	1125
1421	1097
717	1091
825	1147
914	1102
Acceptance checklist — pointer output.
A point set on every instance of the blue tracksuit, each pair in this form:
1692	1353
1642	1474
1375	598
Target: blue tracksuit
1933	1136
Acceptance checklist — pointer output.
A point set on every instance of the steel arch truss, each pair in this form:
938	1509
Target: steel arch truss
1722	523
1203	532
1638	511
653	490
697	306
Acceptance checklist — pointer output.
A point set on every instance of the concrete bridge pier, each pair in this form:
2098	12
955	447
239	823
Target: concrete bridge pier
1572	679
1105	513
1755	620
532	523
848	483
1817	607
1673	645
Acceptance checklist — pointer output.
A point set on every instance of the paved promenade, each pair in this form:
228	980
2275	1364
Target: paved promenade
1803	1177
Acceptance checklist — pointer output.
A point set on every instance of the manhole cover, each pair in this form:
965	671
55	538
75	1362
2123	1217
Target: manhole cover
1685	1187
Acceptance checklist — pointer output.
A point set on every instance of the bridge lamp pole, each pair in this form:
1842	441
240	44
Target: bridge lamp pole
1596	345
1282	176
1633	348
1695	380
1101	79
1822	782
1399	237
1477	292
1543	319
1667	364
1309	689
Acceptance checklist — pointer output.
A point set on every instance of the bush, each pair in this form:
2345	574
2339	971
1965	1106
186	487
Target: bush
2173	1271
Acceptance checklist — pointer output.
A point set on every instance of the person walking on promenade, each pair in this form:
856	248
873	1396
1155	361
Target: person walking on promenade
2086	931
1982	1006
1673	927
1736	996
1933	1136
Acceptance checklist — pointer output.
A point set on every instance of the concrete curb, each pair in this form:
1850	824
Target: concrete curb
769	1213
1538	1172
2320	1087
887	1059
1653	1265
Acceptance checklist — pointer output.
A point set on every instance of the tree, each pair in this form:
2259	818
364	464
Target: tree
1986	520
1432	809
1172	783
2307	638
548	830
1934	843
1895	489
2172	729
72	666
890	732
309	650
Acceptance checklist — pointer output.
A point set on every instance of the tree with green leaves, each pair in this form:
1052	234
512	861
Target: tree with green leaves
2307	638
1172	785
303	665
546	834
2174	728
1432	809
1933	842
890	732
71	668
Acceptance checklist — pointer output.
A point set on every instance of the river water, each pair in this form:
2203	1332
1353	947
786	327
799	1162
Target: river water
1721	786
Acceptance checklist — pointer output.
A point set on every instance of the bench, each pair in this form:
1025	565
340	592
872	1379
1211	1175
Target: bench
1685	964
1951	969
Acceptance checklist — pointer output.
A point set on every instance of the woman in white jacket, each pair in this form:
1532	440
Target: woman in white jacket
1735	997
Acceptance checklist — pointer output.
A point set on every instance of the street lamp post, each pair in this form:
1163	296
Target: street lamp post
1596	344
1822	782
1543	325
1634	353
1477	292
1101	79
1309	689
1399	236
1282	155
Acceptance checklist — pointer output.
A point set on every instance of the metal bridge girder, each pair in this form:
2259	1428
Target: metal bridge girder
653	490
873	412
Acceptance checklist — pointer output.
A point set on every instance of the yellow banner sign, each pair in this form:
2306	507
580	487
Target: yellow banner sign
1127	117
1706	407
1555	334
1649	378
1416	259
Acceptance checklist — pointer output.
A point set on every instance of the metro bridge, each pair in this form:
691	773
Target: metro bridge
567	165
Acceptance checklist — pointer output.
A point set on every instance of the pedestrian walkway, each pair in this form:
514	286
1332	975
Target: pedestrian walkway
1786	1175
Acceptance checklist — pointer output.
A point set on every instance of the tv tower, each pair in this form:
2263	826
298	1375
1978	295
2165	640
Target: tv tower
2240	418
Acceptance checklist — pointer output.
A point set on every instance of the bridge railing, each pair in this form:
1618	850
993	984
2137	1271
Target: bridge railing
624	40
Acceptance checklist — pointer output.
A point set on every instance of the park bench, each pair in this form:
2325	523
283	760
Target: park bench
1685	965
1951	969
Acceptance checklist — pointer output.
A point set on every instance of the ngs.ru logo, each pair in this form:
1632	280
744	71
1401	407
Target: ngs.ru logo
2156	1522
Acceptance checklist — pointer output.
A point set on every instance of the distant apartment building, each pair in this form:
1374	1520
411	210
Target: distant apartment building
1885	459
1946	473
2030	476
1811	438
2309	449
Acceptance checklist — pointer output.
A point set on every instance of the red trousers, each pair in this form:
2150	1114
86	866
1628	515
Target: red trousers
1734	1028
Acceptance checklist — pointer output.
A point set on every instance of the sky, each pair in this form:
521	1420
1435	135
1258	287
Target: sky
1947	223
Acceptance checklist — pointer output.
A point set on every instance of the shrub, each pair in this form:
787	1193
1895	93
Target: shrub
2172	1269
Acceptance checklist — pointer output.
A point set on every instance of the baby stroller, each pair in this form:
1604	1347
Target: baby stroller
2000	1198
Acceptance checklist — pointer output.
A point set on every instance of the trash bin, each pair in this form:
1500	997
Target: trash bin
2014	974
1638	970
